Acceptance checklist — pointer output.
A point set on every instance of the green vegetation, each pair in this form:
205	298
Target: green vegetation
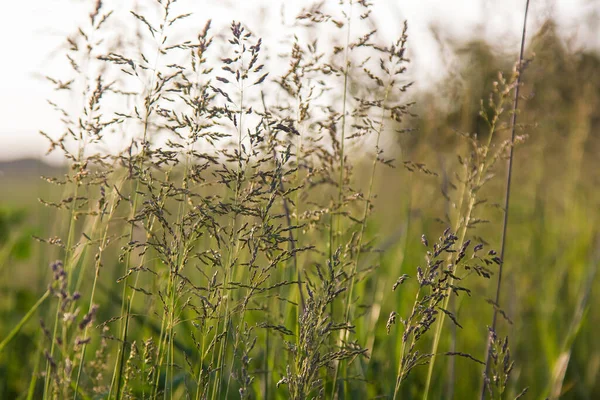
227	230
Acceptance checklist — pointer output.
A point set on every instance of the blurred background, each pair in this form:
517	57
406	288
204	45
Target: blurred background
456	50
440	35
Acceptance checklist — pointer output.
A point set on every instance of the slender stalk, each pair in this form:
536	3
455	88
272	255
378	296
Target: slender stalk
23	321
233	240
363	225
507	192
34	375
97	267
69	267
286	210
334	234
127	303
400	373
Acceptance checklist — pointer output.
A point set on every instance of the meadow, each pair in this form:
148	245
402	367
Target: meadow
226	226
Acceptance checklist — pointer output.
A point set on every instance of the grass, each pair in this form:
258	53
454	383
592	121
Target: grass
228	229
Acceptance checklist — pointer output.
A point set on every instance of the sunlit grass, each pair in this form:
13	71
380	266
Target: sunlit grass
251	239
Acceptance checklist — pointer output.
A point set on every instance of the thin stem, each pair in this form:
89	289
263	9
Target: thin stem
346	67
128	302
97	267
69	266
23	321
286	209
507	191
233	245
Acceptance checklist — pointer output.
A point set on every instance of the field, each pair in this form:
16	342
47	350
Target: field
222	229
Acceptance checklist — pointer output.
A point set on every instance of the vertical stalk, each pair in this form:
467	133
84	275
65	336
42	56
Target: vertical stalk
233	239
507	192
127	303
334	234
97	267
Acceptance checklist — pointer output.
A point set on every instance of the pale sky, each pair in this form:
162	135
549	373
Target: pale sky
33	31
